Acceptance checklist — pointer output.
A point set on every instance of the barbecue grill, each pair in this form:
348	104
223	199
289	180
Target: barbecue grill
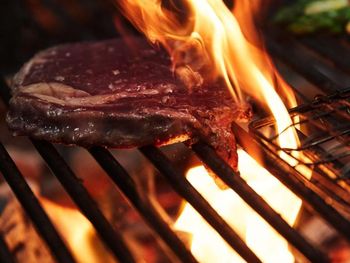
324	121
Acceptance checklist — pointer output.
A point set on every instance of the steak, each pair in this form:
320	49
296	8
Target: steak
120	95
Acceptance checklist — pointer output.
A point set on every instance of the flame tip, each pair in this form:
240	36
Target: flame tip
213	36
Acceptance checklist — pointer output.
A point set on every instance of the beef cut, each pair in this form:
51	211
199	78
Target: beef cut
121	95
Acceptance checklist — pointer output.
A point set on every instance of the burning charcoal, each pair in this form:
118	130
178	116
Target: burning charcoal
21	237
111	94
27	246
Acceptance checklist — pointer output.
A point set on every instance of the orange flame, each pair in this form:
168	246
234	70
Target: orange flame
212	30
212	40
208	246
78	233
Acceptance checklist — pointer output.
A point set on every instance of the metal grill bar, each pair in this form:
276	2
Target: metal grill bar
33	208
52	158
5	254
141	203
236	183
299	60
326	46
186	190
294	181
73	185
326	119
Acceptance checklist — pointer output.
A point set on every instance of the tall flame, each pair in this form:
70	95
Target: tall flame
215	33
224	43
208	246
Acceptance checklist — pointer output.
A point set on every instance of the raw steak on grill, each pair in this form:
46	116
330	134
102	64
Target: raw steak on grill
115	94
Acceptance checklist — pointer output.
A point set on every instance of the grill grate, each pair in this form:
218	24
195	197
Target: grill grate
323	127
326	193
32	207
180	184
325	137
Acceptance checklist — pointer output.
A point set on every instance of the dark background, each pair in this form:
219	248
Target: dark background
28	26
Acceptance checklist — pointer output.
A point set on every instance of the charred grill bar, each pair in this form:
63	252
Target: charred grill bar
88	207
83	200
236	183
329	181
305	63
186	190
141	203
32	207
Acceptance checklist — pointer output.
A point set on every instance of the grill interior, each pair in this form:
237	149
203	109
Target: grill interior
326	138
324	141
324	123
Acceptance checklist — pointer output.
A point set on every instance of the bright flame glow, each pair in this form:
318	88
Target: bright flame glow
212	32
228	47
78	233
208	246
217	35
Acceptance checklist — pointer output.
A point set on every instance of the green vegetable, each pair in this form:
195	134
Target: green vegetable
308	16
324	6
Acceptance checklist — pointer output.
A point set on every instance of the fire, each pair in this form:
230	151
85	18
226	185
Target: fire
211	40
214	32
208	246
78	233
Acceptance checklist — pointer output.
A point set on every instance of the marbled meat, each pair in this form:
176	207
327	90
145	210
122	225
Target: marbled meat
114	94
